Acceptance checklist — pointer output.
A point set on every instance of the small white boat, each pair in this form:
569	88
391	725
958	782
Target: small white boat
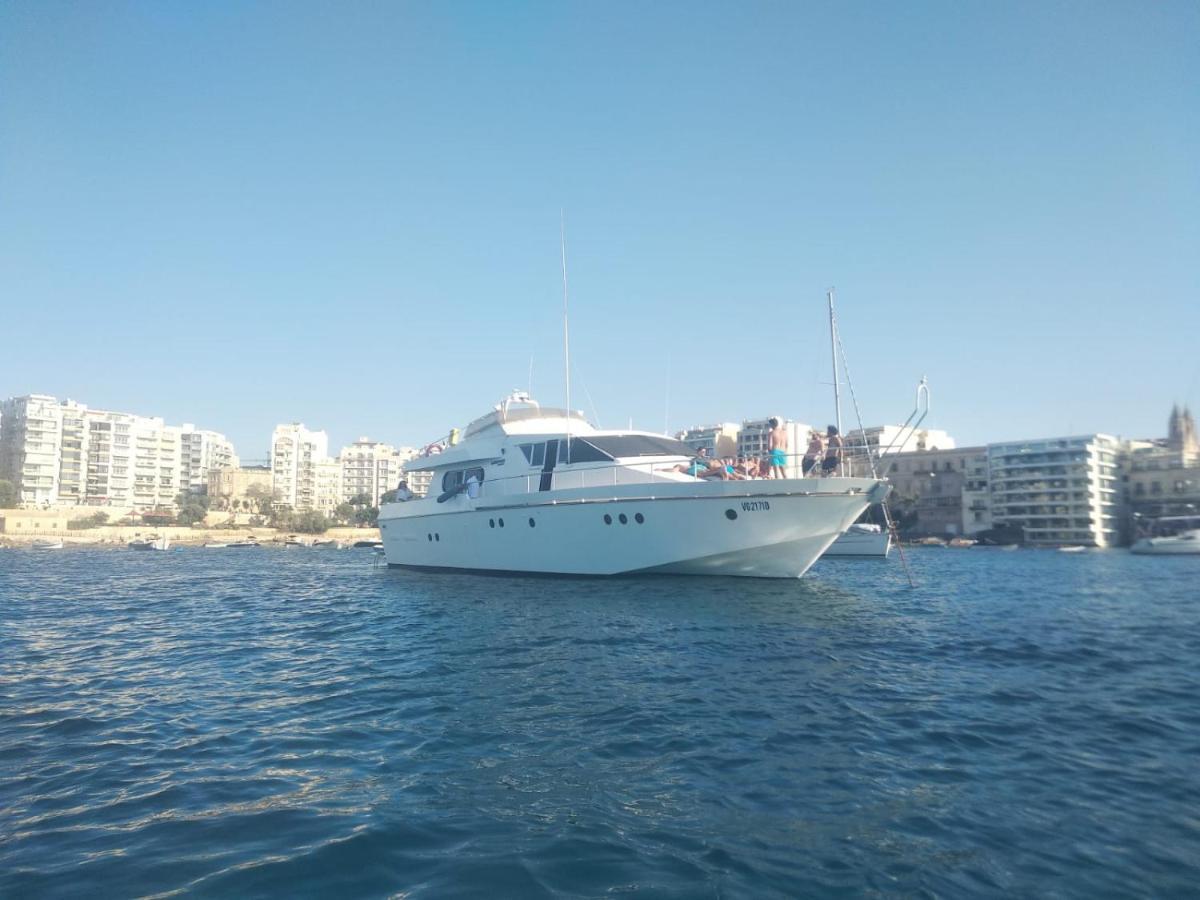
47	545
325	543
150	543
1186	542
215	545
248	542
861	539
1072	548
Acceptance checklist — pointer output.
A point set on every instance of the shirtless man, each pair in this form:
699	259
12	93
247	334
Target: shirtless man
777	443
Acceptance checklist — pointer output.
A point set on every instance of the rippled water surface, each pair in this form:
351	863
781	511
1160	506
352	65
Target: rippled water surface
262	722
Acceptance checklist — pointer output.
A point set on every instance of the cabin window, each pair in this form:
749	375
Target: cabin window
458	477
539	454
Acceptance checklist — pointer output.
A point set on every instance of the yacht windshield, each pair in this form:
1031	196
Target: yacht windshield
625	445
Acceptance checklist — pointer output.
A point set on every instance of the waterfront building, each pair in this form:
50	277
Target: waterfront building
753	435
60	452
719	440
941	493
295	452
1059	490
230	488
418	480
31	446
328	493
1163	476
885	439
201	452
371	468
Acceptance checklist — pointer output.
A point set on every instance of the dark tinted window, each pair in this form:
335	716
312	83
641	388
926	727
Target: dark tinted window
623	445
584	451
451	480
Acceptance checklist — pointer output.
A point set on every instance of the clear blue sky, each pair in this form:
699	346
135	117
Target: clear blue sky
238	214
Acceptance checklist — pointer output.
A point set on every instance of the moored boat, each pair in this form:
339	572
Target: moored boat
539	490
1183	543
42	544
153	542
862	539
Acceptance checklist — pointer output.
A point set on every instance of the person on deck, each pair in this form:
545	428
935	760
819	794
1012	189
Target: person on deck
777	443
813	453
833	451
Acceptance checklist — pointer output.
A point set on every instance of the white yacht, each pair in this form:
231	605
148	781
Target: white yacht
539	490
1185	542
862	539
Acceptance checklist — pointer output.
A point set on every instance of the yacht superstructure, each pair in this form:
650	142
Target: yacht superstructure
539	490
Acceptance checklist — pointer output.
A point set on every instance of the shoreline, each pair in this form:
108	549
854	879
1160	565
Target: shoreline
116	537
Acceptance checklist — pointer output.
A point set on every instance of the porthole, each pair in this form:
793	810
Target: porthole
639	518
731	514
607	519
500	522
623	519
491	523
430	536
436	536
532	523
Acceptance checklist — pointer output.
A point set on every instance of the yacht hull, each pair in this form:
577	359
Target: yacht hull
765	529
852	544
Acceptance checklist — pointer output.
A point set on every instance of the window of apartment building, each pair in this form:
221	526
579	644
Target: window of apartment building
1155	487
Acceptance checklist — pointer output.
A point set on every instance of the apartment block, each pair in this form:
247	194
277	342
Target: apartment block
1059	490
371	468
201	452
295	452
63	453
31	446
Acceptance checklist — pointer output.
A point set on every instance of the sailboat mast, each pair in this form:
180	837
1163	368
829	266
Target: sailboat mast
837	394
562	234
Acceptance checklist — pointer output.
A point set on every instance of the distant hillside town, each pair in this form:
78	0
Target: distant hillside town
1080	489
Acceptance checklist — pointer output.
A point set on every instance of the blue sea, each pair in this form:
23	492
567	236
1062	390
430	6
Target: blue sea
269	723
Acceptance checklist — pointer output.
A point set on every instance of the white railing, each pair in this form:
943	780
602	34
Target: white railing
605	475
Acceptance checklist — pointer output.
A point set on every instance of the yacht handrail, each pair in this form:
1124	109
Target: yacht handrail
661	469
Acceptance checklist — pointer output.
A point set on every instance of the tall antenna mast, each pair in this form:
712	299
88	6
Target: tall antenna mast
562	234
833	342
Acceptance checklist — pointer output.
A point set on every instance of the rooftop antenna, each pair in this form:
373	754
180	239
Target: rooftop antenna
562	235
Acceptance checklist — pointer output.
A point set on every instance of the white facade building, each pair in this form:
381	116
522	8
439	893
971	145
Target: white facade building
200	452
63	453
295	452
371	468
31	447
328	494
1059	490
